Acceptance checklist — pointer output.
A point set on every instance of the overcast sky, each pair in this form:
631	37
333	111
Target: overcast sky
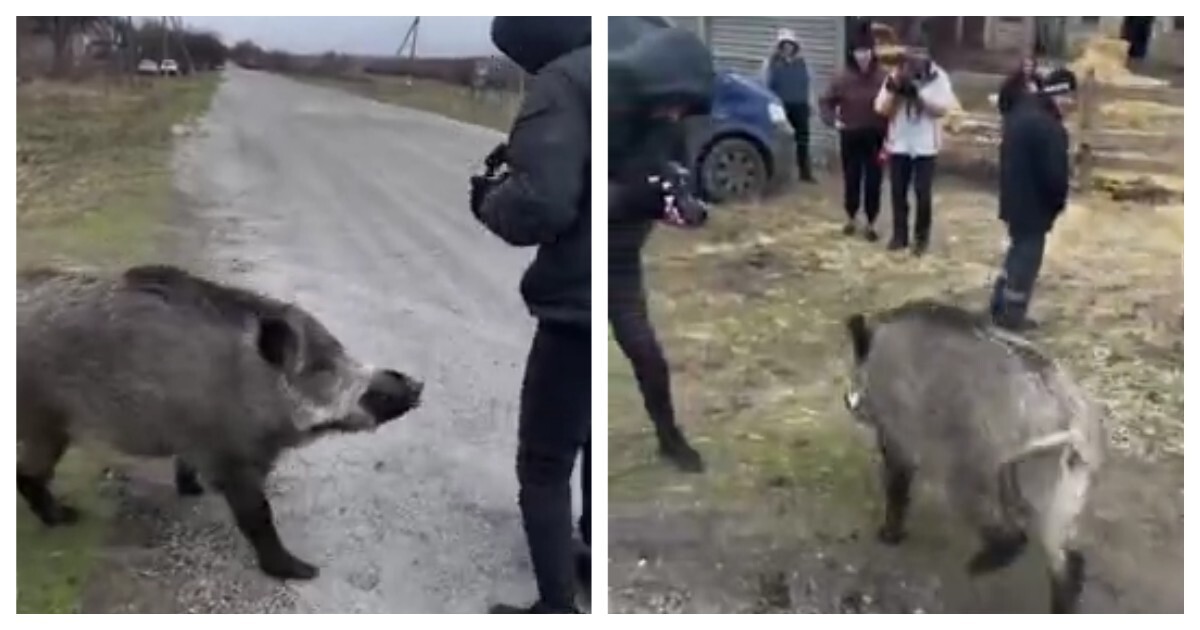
439	36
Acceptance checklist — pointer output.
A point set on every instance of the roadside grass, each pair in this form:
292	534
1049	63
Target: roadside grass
93	188
452	101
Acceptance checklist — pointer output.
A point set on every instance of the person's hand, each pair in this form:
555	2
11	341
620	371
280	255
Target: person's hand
496	158
680	207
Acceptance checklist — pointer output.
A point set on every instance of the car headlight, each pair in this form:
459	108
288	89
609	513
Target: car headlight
777	115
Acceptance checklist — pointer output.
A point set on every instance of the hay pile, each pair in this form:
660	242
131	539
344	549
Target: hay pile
1141	114
1107	58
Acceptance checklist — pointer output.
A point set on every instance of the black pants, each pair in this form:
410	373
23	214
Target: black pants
1013	289
555	427
917	172
862	175
630	320
797	115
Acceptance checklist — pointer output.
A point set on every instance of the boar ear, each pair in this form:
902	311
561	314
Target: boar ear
860	336
278	342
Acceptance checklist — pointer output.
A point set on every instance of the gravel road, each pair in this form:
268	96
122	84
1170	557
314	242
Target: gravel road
356	210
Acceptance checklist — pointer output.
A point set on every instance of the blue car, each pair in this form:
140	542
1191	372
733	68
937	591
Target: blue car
745	148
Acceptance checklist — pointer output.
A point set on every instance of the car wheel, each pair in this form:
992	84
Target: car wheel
733	169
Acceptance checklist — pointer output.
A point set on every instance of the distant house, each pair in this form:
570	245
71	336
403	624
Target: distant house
35	47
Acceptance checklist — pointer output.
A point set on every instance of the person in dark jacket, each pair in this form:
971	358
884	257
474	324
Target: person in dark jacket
786	73
544	200
664	76
1034	180
849	106
1023	80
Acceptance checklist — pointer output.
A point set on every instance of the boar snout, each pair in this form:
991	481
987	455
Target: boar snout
391	395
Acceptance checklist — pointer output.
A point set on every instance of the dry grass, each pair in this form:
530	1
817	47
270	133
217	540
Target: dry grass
451	101
750	311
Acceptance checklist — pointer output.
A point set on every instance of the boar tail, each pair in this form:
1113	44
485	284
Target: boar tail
860	336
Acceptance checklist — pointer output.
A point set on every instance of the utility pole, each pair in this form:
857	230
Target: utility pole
165	31
179	36
410	35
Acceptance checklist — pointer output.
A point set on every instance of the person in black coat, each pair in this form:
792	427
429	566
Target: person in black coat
660	77
1024	80
1034	180
543	200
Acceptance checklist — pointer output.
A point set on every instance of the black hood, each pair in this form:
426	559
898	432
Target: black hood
662	66
534	41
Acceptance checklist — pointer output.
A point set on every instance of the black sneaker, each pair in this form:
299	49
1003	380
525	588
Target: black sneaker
919	248
871	235
536	609
583	565
675	448
897	245
849	229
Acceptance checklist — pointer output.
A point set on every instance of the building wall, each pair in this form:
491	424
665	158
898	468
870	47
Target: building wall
740	44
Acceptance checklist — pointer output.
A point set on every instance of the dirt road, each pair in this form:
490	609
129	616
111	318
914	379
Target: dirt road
356	210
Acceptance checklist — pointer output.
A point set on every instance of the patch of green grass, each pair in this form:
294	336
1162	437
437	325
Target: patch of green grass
53	564
451	101
93	166
93	187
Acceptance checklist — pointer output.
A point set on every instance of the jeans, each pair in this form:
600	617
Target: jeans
1013	289
862	174
555	427
798	115
915	171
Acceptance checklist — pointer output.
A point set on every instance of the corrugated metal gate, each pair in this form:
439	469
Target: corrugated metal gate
741	43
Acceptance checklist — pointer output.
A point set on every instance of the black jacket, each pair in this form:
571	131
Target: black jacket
649	66
1034	166
546	198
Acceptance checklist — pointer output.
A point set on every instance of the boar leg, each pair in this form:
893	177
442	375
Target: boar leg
1066	581
243	490
897	484
36	461
187	482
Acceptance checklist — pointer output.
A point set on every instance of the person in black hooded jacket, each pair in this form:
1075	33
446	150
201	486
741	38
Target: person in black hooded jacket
1034	182
543	200
655	80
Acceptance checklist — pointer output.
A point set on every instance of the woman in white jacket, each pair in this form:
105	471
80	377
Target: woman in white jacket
914	98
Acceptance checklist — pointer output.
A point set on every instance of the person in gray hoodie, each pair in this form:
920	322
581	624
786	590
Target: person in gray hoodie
785	72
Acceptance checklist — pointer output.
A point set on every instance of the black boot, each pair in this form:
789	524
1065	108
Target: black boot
538	608
673	446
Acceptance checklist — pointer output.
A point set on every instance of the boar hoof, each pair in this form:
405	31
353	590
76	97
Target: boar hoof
288	568
889	535
999	550
62	514
188	487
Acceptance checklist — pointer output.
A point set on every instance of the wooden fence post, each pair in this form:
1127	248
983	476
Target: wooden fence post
1085	156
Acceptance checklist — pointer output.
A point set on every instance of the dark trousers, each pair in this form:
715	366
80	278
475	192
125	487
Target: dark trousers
630	320
797	115
917	172
862	175
1013	289
555	427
